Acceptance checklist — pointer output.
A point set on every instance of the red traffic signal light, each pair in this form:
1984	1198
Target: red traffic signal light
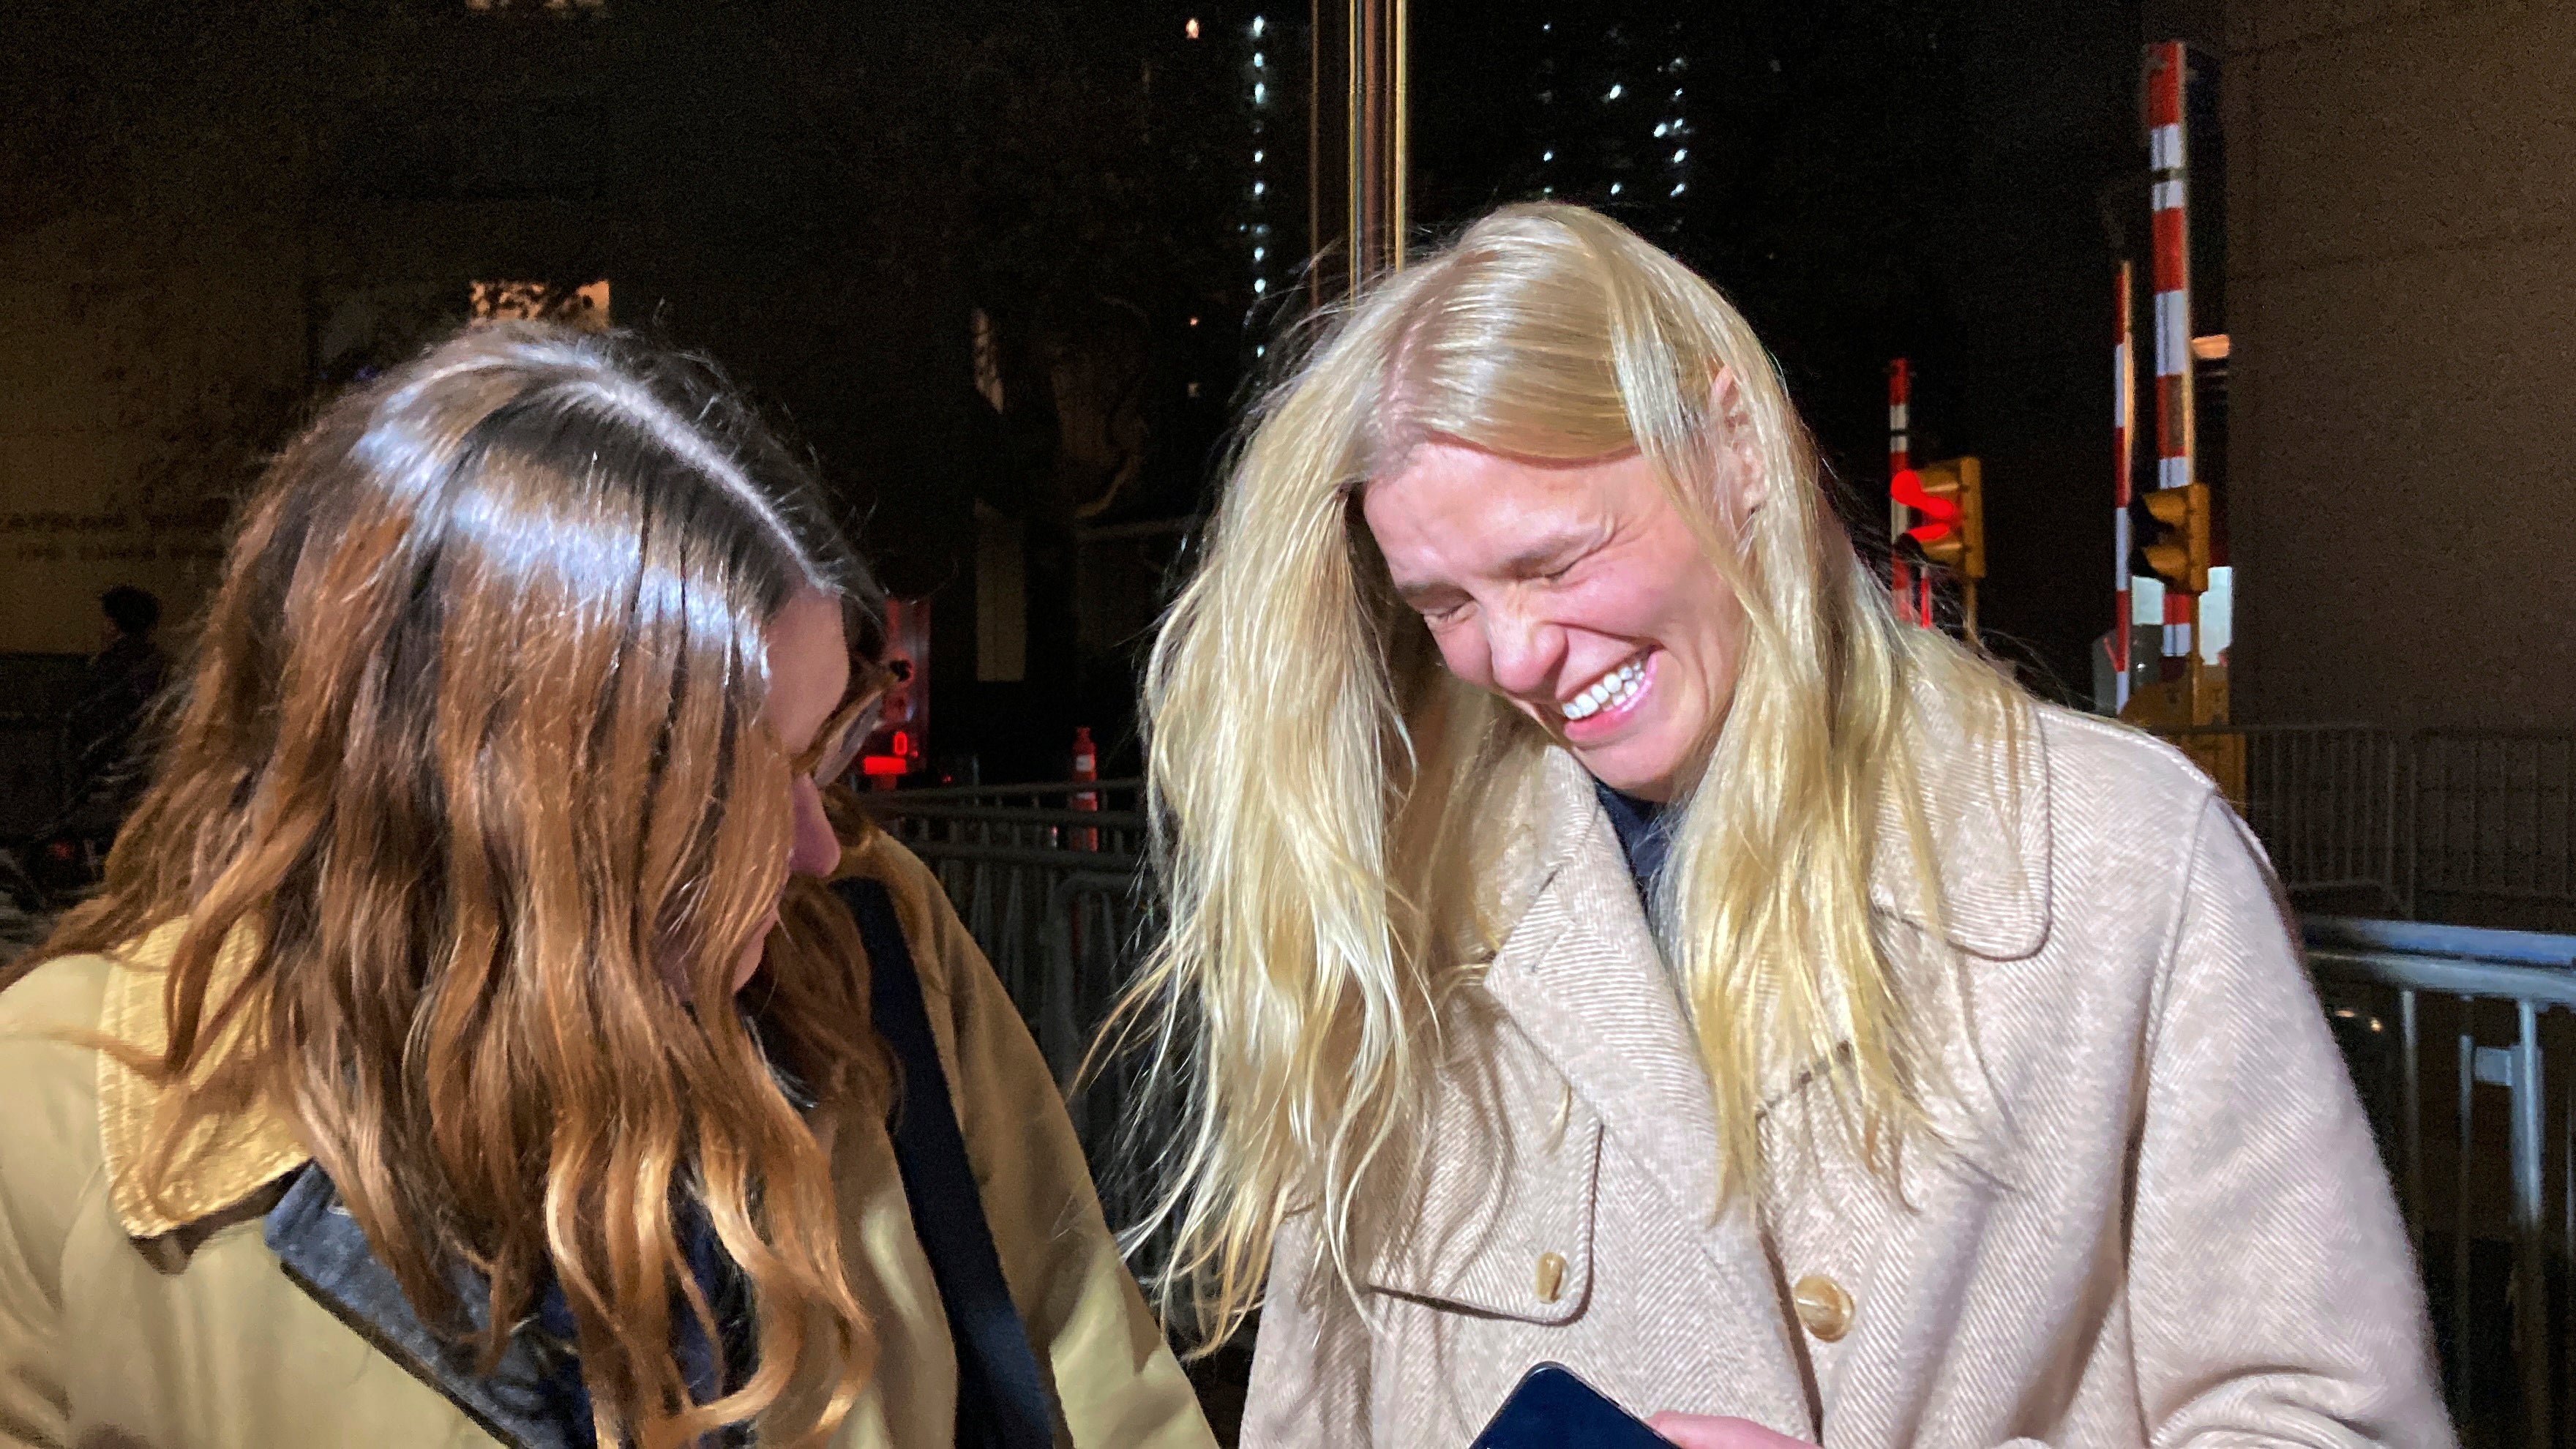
1951	497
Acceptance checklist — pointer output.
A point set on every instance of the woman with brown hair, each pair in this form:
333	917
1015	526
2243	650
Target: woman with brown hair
464	1046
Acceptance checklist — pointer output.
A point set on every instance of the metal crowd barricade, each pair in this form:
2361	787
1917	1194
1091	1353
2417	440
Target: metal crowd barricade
2490	1249
2327	801
2495	816
1052	894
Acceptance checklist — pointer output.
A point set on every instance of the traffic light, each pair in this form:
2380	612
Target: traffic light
2176	533
1951	496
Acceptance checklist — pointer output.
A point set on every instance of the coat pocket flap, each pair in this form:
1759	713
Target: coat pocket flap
1498	1219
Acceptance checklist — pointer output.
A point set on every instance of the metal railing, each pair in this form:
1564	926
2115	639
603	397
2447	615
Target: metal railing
2327	801
1052	894
2428	822
2495	814
2487	1177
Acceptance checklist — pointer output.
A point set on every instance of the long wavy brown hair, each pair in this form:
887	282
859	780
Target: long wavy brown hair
470	752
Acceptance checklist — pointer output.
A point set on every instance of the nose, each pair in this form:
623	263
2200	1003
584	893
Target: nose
1525	652
814	850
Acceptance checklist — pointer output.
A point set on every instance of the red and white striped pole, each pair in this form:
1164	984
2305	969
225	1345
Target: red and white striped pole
1086	770
2124	416
1900	456
2166	157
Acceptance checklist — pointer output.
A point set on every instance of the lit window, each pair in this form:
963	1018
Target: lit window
1616	90
1258	25
1191	29
582	307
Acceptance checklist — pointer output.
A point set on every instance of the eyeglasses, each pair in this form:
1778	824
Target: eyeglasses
838	742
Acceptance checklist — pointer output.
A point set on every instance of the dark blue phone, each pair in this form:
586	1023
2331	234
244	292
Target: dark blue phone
1552	1409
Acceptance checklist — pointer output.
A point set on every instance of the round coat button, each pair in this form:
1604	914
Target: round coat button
1823	1306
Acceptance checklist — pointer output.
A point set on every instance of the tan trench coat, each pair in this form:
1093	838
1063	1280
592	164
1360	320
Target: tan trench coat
120	1329
2162	1221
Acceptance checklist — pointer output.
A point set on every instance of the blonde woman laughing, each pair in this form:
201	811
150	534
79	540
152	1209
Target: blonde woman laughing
1601	934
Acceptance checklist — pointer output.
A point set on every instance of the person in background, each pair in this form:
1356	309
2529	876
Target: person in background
104	724
1599	932
465	1047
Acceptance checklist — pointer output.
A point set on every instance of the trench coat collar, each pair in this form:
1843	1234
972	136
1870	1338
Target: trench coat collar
1580	971
1985	798
226	1158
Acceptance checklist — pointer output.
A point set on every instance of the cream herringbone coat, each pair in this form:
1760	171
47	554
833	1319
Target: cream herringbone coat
2160	1218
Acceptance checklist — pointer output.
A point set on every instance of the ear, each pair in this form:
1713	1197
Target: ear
1742	485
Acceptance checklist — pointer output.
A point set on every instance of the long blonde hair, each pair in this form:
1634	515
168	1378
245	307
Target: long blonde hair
469	755
1322	791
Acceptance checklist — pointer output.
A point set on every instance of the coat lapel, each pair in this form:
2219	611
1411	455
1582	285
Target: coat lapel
1581	977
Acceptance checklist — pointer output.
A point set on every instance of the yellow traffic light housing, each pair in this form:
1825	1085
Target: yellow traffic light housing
1954	533
2179	551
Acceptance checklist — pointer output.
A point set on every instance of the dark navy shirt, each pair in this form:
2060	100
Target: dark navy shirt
1645	835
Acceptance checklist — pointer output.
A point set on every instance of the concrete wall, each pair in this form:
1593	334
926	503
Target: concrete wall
2402	265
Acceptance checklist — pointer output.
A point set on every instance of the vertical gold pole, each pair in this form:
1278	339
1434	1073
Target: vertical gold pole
1357	206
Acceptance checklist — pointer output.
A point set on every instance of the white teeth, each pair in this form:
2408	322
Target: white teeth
1614	688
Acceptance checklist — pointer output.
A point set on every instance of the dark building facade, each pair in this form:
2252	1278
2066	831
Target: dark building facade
214	215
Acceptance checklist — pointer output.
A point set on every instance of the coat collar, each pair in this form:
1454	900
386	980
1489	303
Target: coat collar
225	1158
324	1250
1985	804
1985	797
1581	974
